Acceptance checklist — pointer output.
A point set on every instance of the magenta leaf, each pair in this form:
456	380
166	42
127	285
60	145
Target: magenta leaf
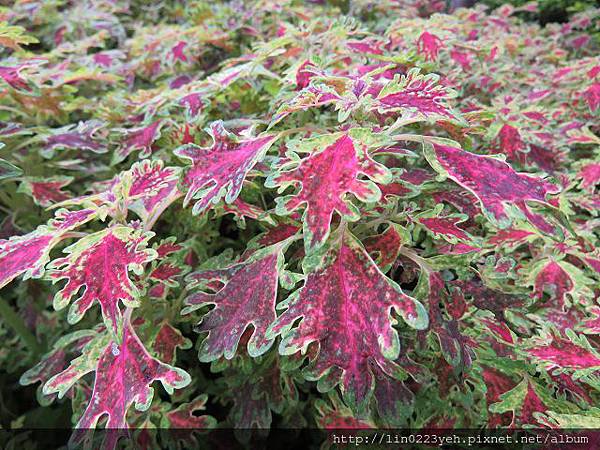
494	183
590	176
124	374
497	383
446	227
247	298
194	103
416	95
345	290
386	245
325	178
52	365
565	354
511	237
558	278
522	401
29	253
220	170
552	277
151	187
456	348
184	416
82	137
429	45
139	139
167	340
99	263
46	191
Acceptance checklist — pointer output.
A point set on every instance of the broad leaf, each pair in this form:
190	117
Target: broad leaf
100	264
345	290
247	298
124	374
494	183
29	253
46	191
325	177
220	170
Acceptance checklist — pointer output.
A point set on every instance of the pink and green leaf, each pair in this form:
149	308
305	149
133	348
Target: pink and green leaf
100	264
219	171
124	373
333	296
325	178
495	183
247	299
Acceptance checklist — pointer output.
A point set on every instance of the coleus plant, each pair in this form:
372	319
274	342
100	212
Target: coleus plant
378	216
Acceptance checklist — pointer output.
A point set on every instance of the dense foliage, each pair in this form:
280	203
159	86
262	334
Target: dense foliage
297	214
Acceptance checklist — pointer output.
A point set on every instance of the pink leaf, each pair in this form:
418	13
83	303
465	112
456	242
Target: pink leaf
590	176
177	51
151	185
592	96
346	292
386	245
194	104
124	374
418	95
81	138
29	253
140	139
554	279
220	170
497	384
184	416
445	226
325	178
510	237
494	183
167	340
100	263
429	45
564	353
247	298
46	191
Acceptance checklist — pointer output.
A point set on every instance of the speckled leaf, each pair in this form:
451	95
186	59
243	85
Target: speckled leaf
151	186
386	245
82	137
139	139
564	353
46	191
220	170
522	401
124	374
456	348
417	95
53	363
247	298
100	264
345	291
558	278
167	340
29	253
494	183
325	178
185	416
445	227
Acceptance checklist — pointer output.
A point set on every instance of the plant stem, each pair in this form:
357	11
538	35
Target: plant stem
13	320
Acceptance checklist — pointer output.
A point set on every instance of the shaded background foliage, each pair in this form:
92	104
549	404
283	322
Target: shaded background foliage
493	273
